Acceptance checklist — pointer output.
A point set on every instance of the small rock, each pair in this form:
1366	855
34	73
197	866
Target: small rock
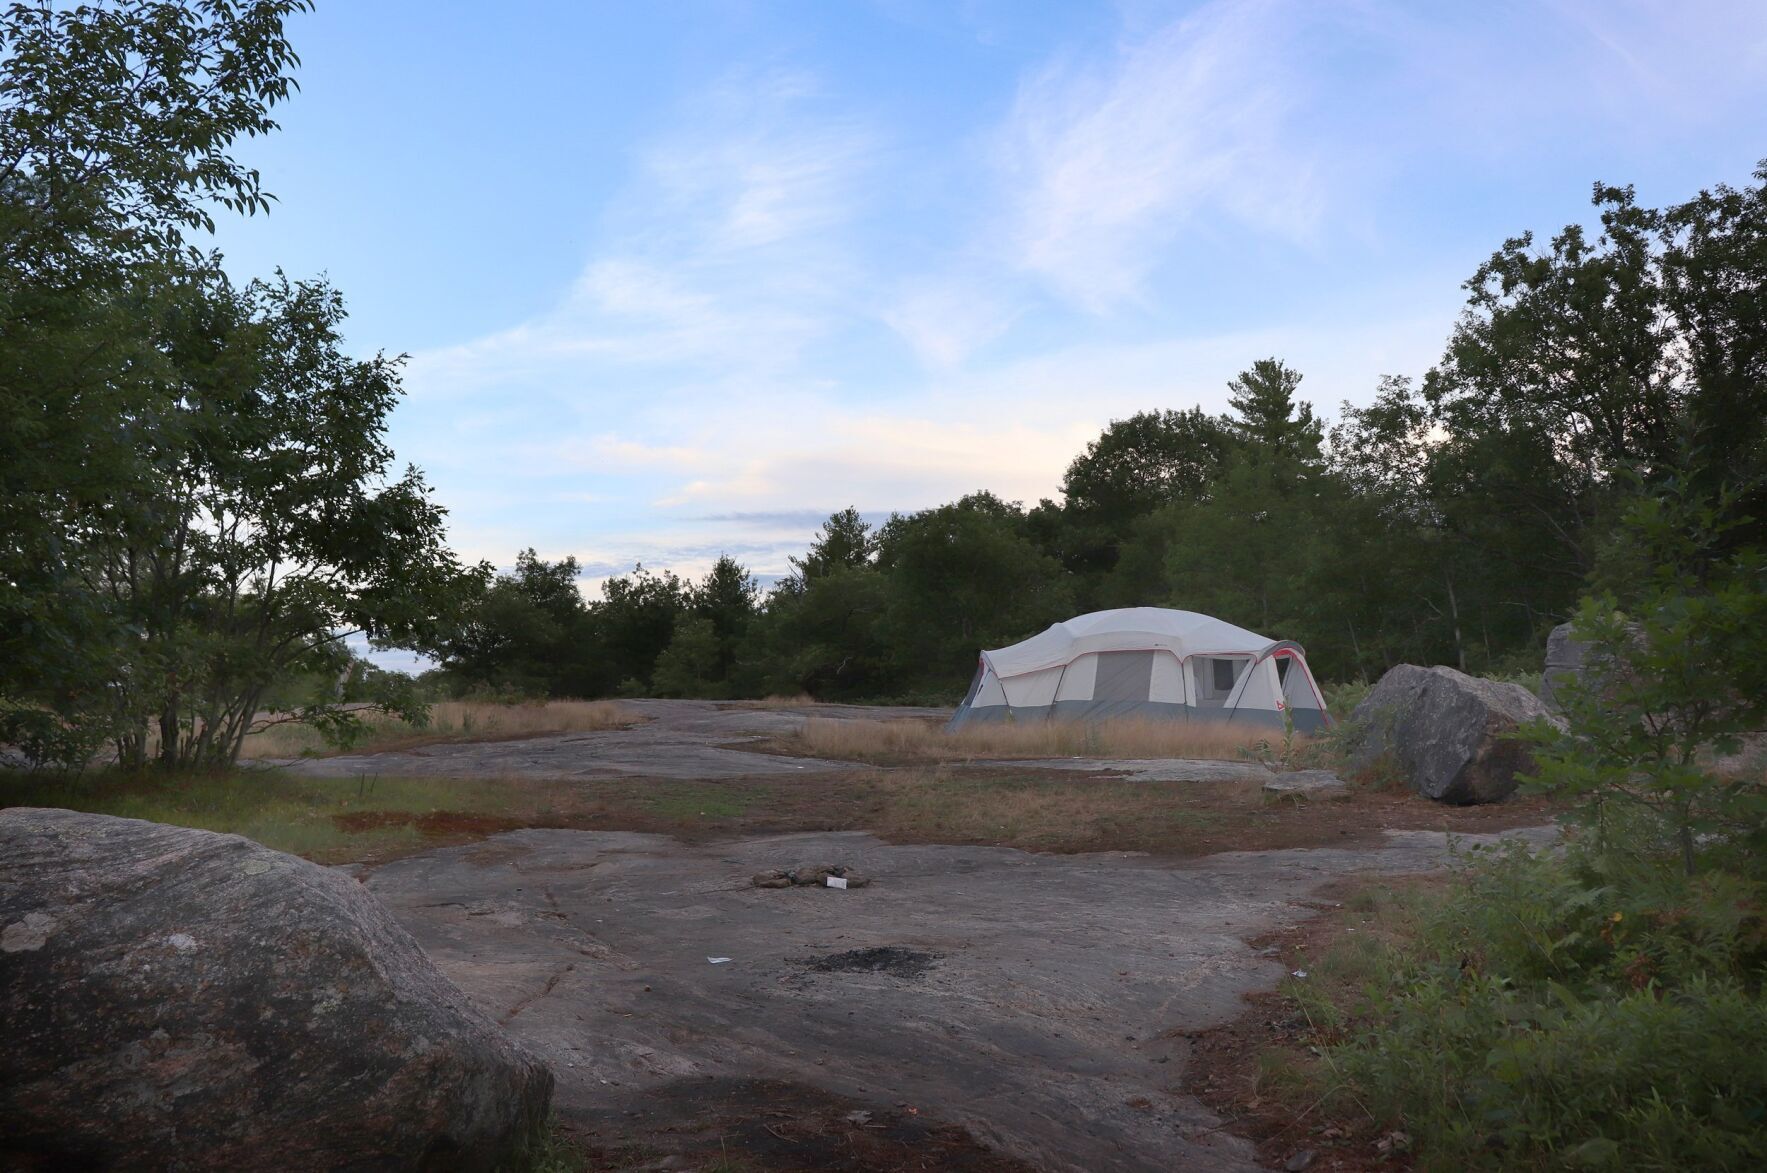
855	880
1299	1161
1310	784
771	880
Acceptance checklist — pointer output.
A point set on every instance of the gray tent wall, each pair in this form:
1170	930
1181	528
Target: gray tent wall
1267	687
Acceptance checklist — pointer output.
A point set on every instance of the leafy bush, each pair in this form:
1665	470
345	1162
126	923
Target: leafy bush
1550	1014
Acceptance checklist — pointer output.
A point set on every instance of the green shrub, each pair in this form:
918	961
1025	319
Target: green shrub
1548	1014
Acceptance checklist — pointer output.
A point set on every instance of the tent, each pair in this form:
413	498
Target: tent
1146	662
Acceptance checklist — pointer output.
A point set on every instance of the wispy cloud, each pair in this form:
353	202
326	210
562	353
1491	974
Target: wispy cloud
1116	158
722	250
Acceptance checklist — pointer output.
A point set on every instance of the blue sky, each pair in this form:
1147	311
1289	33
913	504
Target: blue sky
682	278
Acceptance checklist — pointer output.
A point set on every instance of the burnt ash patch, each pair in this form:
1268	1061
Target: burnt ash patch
886	959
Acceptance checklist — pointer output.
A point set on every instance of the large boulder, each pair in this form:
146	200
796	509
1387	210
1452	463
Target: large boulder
177	999
1444	732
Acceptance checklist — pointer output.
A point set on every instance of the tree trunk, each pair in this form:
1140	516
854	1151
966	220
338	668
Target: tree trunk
1454	611
169	733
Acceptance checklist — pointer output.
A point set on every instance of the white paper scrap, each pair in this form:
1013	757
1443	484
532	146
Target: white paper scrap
836	882
717	960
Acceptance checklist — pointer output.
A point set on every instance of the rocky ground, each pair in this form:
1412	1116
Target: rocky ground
973	1007
1040	1002
673	739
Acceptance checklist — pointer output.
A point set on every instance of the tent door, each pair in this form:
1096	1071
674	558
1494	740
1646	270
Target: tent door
1124	678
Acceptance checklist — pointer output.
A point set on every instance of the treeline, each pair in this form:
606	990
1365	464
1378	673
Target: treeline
1453	520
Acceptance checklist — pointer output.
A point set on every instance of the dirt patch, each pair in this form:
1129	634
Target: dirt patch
753	1125
434	824
1238	1070
886	959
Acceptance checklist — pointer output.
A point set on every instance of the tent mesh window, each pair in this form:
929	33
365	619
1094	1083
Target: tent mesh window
1224	675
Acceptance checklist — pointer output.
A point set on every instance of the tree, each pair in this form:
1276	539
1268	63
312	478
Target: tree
960	578
1473	528
115	128
274	530
1136	466
523	633
1678	647
630	627
690	665
726	598
701	657
845	542
1641	351
1271	423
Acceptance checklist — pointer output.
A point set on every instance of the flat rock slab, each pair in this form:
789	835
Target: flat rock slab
1313	784
676	739
1151	769
1034	999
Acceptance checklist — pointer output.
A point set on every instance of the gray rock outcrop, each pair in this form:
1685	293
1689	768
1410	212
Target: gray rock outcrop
1444	732
1570	660
1566	658
181	999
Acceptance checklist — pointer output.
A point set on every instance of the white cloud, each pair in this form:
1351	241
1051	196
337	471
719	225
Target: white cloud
945	321
723	250
1115	159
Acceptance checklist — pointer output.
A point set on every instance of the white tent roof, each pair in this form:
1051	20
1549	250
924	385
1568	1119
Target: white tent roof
1126	629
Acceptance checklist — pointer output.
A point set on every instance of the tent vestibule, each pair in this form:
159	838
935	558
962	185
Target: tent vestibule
1146	662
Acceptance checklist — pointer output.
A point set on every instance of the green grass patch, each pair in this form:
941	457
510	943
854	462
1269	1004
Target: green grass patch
293	814
693	801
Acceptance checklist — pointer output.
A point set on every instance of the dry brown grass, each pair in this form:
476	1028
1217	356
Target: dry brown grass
911	740
777	701
451	721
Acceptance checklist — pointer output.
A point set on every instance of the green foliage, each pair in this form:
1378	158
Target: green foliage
1135	467
1603	1006
960	578
519	633
196	502
1677	677
1551	1012
689	666
1270	422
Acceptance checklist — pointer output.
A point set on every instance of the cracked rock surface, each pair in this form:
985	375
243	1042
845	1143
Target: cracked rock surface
1040	1001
